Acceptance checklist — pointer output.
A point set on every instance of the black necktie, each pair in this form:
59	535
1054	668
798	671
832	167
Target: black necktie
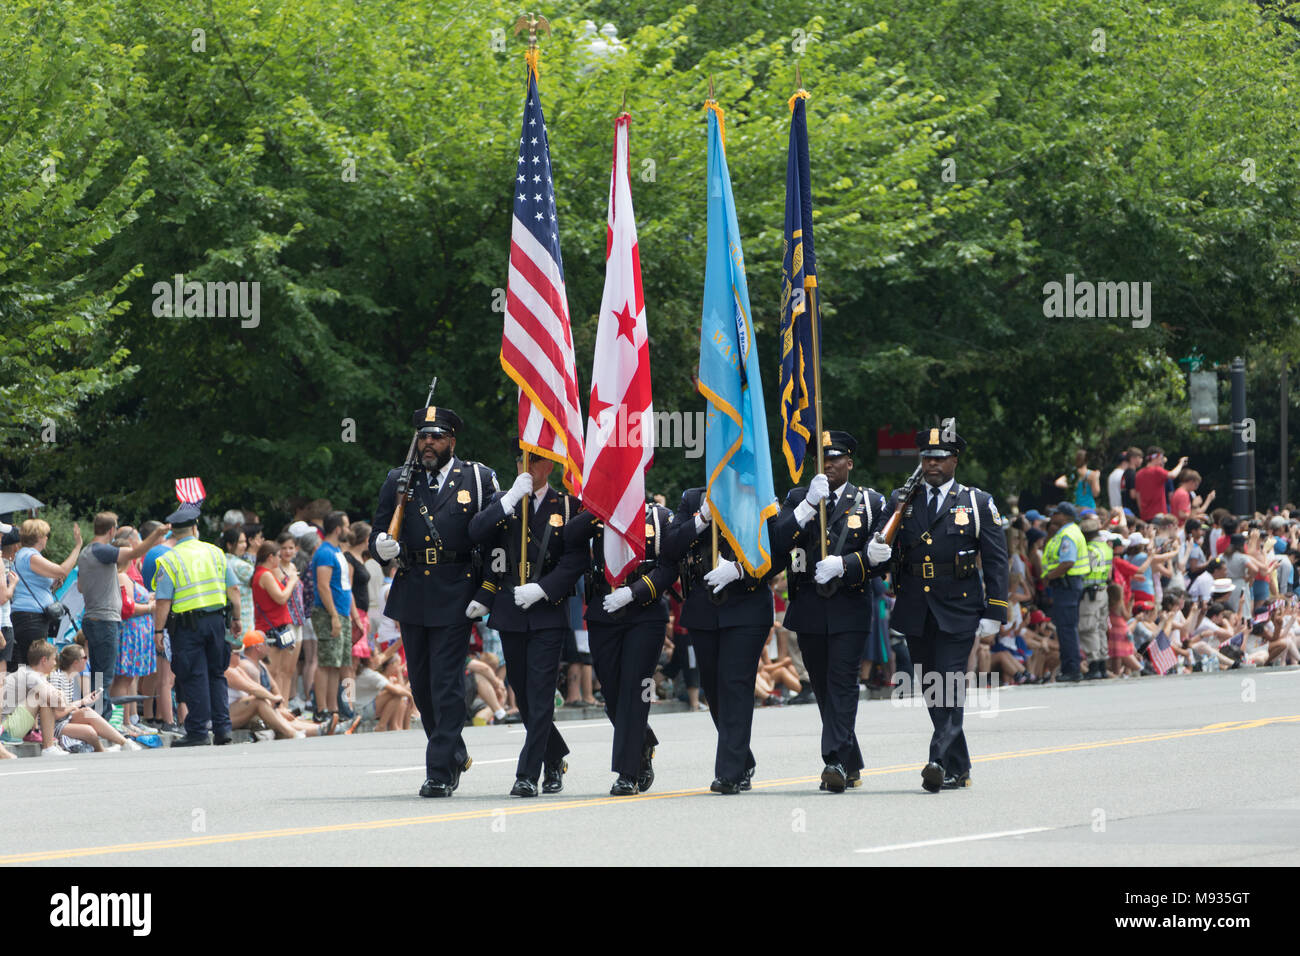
934	505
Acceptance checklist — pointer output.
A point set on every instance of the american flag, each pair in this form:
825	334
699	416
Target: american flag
537	346
620	429
189	491
1161	653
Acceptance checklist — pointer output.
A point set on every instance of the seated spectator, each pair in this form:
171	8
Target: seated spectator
1211	634
1044	650
74	717
29	700
381	693
253	695
772	675
484	687
1006	655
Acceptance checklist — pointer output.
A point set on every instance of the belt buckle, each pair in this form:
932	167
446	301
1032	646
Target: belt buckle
430	555
927	569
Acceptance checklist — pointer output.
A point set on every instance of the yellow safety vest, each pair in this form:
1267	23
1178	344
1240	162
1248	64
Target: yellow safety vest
198	575
1101	557
1052	553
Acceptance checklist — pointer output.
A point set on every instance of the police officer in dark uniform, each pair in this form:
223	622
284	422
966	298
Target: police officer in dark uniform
830	601
941	603
729	615
436	581
626	625
533	617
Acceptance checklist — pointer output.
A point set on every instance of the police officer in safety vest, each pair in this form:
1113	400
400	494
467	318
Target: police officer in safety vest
1065	567
1094	606
190	583
436	589
950	580
830	602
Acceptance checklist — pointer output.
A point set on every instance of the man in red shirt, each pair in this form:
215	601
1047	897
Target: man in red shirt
1149	484
1185	502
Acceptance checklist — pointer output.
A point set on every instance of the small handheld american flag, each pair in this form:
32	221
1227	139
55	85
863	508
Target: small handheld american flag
1161	653
189	491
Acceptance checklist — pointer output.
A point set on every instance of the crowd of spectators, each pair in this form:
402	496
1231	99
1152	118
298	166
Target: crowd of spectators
312	653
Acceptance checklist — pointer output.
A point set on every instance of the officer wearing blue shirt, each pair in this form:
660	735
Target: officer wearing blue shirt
943	603
1065	568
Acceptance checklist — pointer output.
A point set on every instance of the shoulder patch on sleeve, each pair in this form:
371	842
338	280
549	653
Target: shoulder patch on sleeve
993	511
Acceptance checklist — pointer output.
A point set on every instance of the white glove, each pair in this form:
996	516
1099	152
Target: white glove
475	610
828	568
988	626
386	547
723	574
526	595
618	598
878	552
818	489
703	516
523	486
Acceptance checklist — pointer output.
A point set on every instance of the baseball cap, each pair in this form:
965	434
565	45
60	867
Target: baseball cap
1142	605
1033	515
1136	540
299	528
253	638
1036	618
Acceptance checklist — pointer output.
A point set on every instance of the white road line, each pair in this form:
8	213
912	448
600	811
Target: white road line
19	773
1006	710
962	839
477	763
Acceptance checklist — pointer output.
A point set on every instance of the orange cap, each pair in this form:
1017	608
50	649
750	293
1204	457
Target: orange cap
253	637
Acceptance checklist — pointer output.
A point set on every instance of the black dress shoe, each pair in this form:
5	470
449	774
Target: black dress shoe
853	779
623	787
523	788
932	777
220	741
457	771
1094	673
645	777
746	782
515	718
190	741
720	785
834	778
432	788
1069	677
554	777
957	782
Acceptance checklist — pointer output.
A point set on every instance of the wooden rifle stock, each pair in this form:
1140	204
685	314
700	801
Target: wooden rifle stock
890	531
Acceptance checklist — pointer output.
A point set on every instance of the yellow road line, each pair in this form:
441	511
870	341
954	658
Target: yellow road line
549	806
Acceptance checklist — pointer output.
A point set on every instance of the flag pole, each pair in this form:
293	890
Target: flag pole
523	521
713	519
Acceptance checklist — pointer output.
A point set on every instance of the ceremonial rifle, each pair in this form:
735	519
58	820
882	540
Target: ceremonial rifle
405	490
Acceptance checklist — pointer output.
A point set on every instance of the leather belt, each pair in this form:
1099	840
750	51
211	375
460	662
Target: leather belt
190	618
439	556
928	569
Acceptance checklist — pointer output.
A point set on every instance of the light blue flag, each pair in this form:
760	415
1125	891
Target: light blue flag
737	459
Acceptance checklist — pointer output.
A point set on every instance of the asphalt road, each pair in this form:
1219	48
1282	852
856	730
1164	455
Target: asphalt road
1159	771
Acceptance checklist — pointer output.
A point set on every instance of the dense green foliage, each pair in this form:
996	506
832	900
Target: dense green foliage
228	155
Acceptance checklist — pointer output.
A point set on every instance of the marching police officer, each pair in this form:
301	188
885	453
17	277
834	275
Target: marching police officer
942	605
729	615
626	625
830	600
435	583
190	582
532	617
1065	567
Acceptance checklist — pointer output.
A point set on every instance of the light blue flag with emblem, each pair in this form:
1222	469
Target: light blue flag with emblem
738	461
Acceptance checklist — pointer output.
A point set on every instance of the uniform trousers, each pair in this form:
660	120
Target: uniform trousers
1064	613
833	665
941	658
1093	624
200	656
624	657
728	660
435	659
532	666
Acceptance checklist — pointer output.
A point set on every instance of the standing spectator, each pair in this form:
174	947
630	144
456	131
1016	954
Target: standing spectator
332	611
37	576
355	554
235	543
284	660
1115	483
1185	502
157	687
272	591
1128	483
8	586
1085	481
97	580
308	539
1123	656
136	655
1149	484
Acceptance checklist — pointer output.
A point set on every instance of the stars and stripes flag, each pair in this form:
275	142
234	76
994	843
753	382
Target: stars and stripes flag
537	345
189	491
1161	653
620	417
